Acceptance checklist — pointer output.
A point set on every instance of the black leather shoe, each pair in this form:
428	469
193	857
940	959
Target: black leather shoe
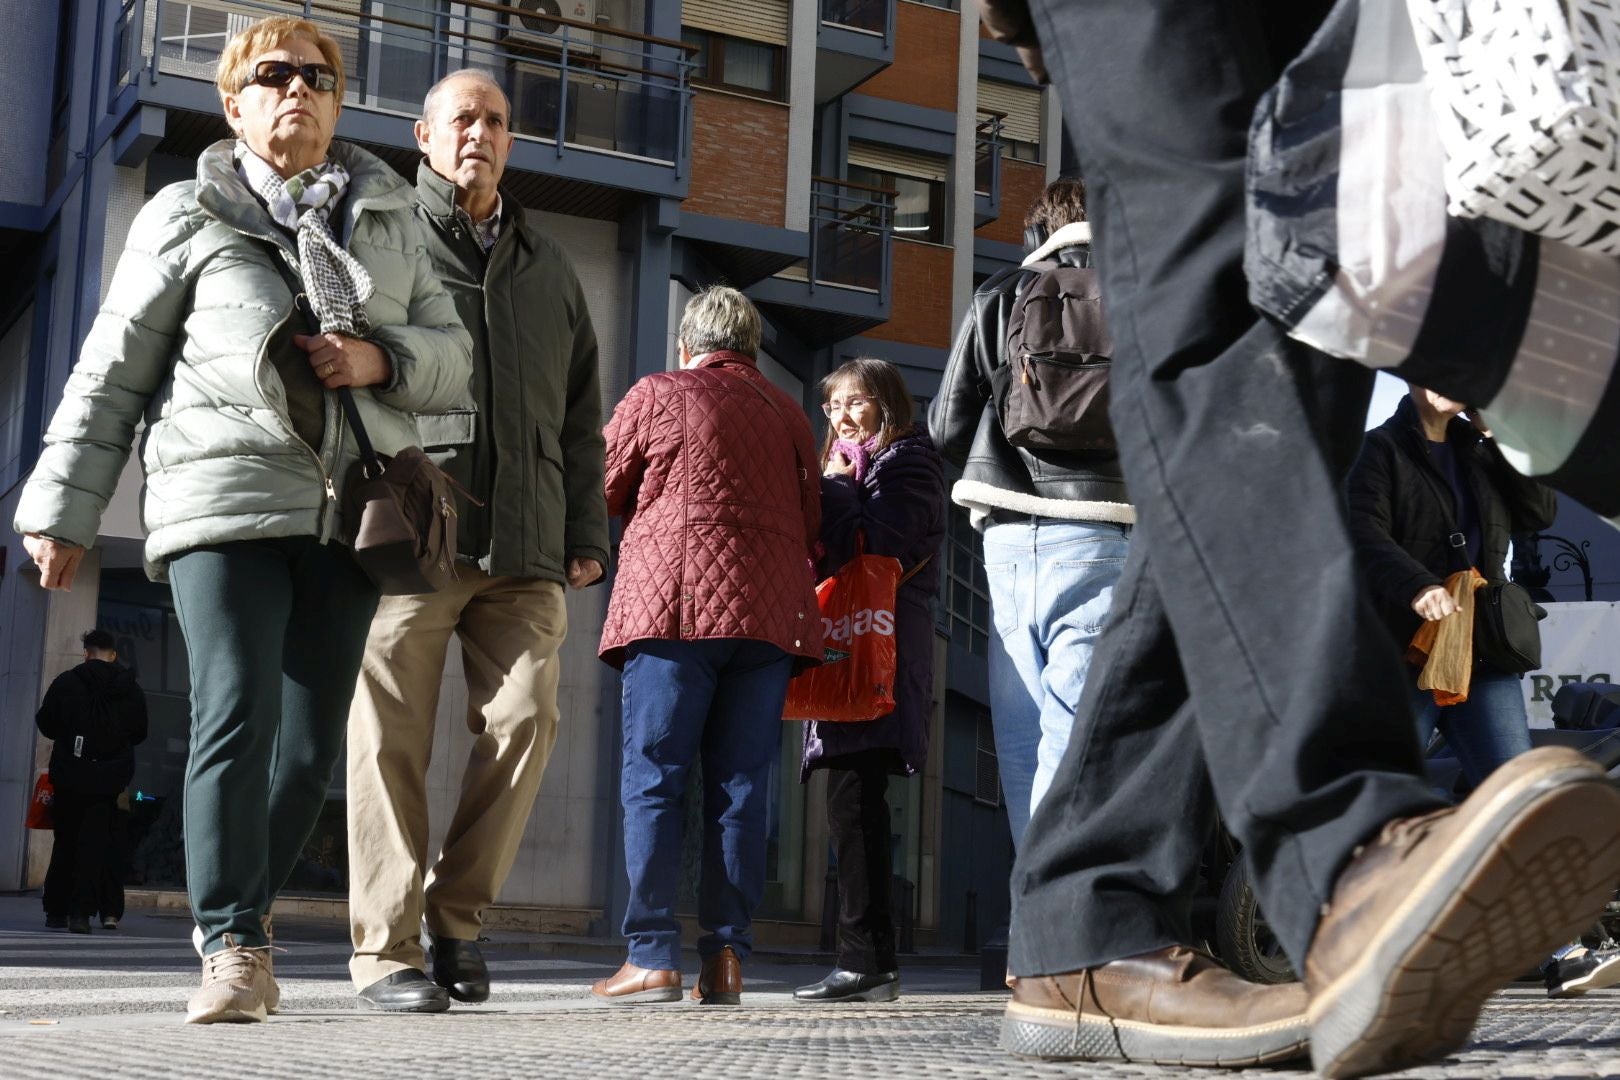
56	922
407	990
844	985
78	924
459	967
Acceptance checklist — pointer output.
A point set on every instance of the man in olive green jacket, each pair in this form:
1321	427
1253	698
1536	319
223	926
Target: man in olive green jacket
533	454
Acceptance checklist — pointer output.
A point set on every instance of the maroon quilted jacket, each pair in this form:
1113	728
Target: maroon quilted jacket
714	472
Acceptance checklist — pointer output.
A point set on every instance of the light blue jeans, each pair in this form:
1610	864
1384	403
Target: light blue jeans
1051	584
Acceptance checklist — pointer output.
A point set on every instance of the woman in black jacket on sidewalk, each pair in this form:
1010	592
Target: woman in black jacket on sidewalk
1426	472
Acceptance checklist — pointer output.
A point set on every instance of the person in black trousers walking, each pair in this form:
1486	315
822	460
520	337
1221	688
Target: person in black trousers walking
1243	664
96	716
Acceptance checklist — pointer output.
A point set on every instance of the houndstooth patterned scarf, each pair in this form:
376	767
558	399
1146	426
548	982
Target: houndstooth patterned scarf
338	286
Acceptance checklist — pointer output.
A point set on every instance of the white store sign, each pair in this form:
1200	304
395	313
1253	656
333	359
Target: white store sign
1580	642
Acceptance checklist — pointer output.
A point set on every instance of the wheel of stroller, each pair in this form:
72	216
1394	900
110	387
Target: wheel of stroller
1247	945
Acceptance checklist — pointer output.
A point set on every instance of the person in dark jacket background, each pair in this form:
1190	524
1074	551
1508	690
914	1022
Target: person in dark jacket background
95	714
882	479
1056	523
1428	471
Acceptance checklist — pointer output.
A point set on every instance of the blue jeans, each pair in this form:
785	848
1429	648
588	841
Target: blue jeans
1484	731
1051	585
721	699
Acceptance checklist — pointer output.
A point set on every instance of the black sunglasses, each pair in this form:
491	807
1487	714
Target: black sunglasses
279	73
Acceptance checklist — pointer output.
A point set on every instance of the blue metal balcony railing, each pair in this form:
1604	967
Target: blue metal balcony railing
987	159
871	16
851	235
572	84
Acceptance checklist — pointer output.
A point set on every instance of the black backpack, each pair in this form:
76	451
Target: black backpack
101	726
1052	391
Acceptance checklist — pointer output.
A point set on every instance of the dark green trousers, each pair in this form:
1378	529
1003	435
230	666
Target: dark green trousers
275	630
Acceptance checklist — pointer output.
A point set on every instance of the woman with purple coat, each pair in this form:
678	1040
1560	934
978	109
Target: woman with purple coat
881	478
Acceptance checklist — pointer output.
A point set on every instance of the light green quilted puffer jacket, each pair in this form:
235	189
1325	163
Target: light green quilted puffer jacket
181	342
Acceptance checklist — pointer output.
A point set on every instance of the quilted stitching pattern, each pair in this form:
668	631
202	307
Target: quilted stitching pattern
721	499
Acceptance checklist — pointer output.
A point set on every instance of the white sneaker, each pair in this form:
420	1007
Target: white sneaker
234	981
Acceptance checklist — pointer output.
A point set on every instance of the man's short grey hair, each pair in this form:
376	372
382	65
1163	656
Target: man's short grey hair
720	317
431	101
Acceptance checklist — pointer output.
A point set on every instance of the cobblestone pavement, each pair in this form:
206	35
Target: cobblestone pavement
110	1004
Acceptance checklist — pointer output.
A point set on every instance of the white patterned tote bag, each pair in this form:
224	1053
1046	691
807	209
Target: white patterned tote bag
1527	94
1350	248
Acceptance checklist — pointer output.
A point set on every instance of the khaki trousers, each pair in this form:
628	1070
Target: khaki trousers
510	631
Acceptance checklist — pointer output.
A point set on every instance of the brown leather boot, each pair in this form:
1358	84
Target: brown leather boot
1171	1007
632	985
720	982
1437	912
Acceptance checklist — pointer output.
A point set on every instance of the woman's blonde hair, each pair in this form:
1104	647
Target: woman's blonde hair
883	383
720	317
236	62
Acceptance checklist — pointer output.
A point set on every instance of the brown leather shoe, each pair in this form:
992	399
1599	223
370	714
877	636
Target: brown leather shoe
1438	912
1171	1007
632	985
720	982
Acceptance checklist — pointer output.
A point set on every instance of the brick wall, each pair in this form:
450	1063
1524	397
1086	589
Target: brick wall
1021	184
739	158
926	40
920	311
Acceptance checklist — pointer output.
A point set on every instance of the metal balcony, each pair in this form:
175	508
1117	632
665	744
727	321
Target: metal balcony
841	288
592	105
987	167
854	42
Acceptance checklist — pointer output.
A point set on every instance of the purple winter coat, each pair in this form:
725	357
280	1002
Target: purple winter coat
900	505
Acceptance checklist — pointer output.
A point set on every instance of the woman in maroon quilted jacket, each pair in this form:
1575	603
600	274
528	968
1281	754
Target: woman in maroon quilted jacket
714	472
882	479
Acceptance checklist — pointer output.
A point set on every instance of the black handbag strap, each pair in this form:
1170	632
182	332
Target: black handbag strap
1456	542
373	464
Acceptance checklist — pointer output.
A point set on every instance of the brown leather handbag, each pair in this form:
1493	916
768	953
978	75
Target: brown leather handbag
399	515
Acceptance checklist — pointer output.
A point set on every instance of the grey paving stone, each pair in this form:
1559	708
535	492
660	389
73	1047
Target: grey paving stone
116	1002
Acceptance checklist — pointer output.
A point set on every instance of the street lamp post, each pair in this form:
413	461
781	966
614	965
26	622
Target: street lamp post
1533	574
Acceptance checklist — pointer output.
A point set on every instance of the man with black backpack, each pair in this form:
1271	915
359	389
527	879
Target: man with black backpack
1023	411
95	714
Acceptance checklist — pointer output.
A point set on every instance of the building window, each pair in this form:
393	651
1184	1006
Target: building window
986	765
14	342
730	63
919	205
967	592
1020	110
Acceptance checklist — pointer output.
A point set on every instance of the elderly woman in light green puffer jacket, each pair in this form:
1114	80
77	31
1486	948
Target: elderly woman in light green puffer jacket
245	455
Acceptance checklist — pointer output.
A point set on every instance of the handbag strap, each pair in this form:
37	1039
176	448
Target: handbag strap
909	574
370	462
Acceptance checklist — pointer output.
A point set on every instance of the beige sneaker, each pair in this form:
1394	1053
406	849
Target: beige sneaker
234	981
272	995
272	991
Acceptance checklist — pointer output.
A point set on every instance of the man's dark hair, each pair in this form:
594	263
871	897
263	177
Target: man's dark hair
1062	203
99	641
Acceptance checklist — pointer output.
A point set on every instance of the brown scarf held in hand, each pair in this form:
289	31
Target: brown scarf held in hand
1445	649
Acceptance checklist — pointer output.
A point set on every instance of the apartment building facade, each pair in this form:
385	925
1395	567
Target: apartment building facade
856	166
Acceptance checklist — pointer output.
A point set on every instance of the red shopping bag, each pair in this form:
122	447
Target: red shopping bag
856	678
39	808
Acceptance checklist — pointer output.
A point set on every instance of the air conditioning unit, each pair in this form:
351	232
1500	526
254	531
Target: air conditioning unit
538	26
